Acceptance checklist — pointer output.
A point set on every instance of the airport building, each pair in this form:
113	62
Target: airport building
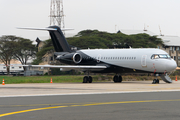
48	58
171	44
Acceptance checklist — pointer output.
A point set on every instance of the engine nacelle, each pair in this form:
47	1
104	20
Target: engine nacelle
70	58
77	58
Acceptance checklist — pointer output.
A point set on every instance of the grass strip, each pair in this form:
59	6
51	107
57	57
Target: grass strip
72	78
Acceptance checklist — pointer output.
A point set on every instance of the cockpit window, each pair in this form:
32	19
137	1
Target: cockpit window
169	57
156	56
163	56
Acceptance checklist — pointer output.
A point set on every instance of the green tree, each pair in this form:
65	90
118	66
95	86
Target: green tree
24	50
7	45
97	39
12	47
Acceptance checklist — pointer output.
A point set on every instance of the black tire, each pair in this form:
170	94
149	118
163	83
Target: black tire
116	79
157	81
85	79
90	79
120	79
154	81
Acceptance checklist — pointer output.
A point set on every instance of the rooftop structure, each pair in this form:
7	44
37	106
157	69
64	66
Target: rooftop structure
170	40
133	32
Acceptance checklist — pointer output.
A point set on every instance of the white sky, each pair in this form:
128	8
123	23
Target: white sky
91	14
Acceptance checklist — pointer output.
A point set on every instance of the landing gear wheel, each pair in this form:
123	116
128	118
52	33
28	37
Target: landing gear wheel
115	79
120	79
155	81
90	79
85	79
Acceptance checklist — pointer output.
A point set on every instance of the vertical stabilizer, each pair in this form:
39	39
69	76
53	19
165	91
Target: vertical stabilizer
59	41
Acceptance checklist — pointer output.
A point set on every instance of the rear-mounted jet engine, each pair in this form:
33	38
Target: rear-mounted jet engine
71	58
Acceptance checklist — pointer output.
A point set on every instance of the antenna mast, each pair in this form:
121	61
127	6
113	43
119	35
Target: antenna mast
57	13
160	31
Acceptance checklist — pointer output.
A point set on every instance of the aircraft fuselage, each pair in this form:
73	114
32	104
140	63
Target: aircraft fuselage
122	60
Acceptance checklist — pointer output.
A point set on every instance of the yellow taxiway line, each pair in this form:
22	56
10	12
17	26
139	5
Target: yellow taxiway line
87	104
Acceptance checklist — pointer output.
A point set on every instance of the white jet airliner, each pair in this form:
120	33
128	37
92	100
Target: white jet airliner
142	60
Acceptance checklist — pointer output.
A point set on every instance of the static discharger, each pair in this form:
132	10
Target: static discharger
51	81
3	83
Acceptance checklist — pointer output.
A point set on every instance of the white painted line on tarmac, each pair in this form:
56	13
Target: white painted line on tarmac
93	93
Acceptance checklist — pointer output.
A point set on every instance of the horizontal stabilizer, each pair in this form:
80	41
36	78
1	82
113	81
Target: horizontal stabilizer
47	29
58	39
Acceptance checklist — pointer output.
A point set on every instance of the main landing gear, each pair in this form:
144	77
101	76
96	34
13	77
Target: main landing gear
117	79
87	79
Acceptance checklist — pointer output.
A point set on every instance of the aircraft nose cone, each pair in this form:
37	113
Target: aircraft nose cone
171	65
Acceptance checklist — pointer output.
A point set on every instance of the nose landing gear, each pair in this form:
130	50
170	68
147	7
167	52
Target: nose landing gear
156	81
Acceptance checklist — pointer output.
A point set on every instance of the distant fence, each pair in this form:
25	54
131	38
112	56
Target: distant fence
23	73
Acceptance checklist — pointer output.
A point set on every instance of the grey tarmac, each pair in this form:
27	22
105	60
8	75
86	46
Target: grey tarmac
43	89
131	100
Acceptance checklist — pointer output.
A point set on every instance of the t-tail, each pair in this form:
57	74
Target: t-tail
59	41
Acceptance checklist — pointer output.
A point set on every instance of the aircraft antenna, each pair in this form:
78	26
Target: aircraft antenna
57	13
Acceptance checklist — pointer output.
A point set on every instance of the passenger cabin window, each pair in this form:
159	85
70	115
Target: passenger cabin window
162	56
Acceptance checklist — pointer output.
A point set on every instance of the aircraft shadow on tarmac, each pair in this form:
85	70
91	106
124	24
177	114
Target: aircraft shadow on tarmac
129	82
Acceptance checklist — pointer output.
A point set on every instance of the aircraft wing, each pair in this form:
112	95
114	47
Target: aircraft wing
69	67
